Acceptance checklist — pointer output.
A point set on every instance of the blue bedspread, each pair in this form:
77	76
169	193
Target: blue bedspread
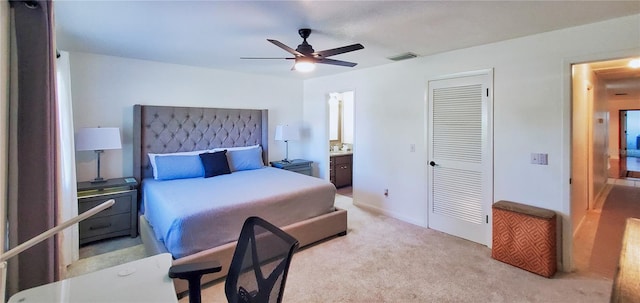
191	215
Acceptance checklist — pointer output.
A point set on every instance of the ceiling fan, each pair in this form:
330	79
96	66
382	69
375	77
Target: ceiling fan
306	57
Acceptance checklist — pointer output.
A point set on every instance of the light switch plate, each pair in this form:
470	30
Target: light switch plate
543	159
540	158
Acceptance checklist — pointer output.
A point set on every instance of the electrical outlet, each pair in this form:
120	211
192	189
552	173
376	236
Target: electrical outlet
412	148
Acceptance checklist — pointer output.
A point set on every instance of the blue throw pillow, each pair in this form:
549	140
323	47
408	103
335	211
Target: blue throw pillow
245	159
179	167
215	164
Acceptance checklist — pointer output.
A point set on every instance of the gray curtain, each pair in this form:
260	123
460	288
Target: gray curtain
35	209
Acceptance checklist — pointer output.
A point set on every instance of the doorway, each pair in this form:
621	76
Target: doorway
629	144
601	195
341	140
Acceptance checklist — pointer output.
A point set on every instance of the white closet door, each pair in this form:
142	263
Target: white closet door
460	189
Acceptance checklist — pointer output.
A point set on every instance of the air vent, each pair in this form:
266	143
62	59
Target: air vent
403	56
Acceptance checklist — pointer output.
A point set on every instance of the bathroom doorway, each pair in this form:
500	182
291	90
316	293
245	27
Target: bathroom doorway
341	140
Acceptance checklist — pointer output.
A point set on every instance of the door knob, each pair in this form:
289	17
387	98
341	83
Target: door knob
432	163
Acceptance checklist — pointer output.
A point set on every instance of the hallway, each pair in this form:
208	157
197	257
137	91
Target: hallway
599	239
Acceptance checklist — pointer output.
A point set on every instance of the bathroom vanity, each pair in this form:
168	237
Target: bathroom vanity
341	168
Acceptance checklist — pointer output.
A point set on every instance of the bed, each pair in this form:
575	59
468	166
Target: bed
301	205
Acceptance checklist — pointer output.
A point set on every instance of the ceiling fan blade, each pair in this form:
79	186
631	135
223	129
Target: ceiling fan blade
288	49
264	58
339	50
336	62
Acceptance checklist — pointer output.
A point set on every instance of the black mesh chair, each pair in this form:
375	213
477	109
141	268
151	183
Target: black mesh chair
258	270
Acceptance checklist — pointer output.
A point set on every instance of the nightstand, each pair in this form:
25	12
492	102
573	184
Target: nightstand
119	220
296	165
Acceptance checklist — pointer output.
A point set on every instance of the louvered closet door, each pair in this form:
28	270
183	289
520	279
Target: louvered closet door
460	162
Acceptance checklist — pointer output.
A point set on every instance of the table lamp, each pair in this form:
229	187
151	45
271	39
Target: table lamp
286	133
98	139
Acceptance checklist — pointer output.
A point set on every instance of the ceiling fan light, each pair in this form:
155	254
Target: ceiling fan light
304	66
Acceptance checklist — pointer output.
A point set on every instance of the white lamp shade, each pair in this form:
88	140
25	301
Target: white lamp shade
98	138
287	133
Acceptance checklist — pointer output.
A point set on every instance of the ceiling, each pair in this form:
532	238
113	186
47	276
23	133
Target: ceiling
621	81
215	34
615	69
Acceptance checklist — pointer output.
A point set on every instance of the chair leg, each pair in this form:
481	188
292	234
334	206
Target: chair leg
194	289
193	272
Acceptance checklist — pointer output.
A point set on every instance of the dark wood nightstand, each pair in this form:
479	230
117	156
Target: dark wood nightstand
119	220
296	165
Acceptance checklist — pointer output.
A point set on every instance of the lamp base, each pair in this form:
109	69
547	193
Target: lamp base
98	179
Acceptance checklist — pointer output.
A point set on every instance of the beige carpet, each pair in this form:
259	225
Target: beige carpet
105	260
386	260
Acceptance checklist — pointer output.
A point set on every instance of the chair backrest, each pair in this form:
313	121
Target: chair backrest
260	263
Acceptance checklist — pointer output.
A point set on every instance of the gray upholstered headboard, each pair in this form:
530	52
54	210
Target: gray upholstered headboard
168	129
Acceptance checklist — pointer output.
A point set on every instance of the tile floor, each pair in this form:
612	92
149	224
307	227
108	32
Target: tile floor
346	191
627	182
633	164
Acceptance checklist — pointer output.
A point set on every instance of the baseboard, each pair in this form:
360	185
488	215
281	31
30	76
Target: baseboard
389	214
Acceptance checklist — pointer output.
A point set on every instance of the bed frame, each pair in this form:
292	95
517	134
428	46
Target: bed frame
167	129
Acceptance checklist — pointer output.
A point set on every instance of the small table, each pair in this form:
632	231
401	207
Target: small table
143	280
119	220
297	165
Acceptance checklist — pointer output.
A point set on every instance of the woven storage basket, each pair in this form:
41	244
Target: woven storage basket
525	236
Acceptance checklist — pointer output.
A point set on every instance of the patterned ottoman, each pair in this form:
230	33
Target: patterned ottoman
525	236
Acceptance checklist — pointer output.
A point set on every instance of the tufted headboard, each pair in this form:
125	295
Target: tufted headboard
168	129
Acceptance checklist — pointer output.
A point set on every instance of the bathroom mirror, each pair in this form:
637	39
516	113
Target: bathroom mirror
341	112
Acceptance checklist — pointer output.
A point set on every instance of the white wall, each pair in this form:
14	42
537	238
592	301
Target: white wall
531	114
106	88
600	141
590	123
582	110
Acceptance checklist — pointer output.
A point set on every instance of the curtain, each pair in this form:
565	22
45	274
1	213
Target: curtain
32	184
68	240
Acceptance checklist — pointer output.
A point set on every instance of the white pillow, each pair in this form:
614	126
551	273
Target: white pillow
234	148
152	158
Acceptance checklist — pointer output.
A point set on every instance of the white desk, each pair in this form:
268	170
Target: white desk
144	280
